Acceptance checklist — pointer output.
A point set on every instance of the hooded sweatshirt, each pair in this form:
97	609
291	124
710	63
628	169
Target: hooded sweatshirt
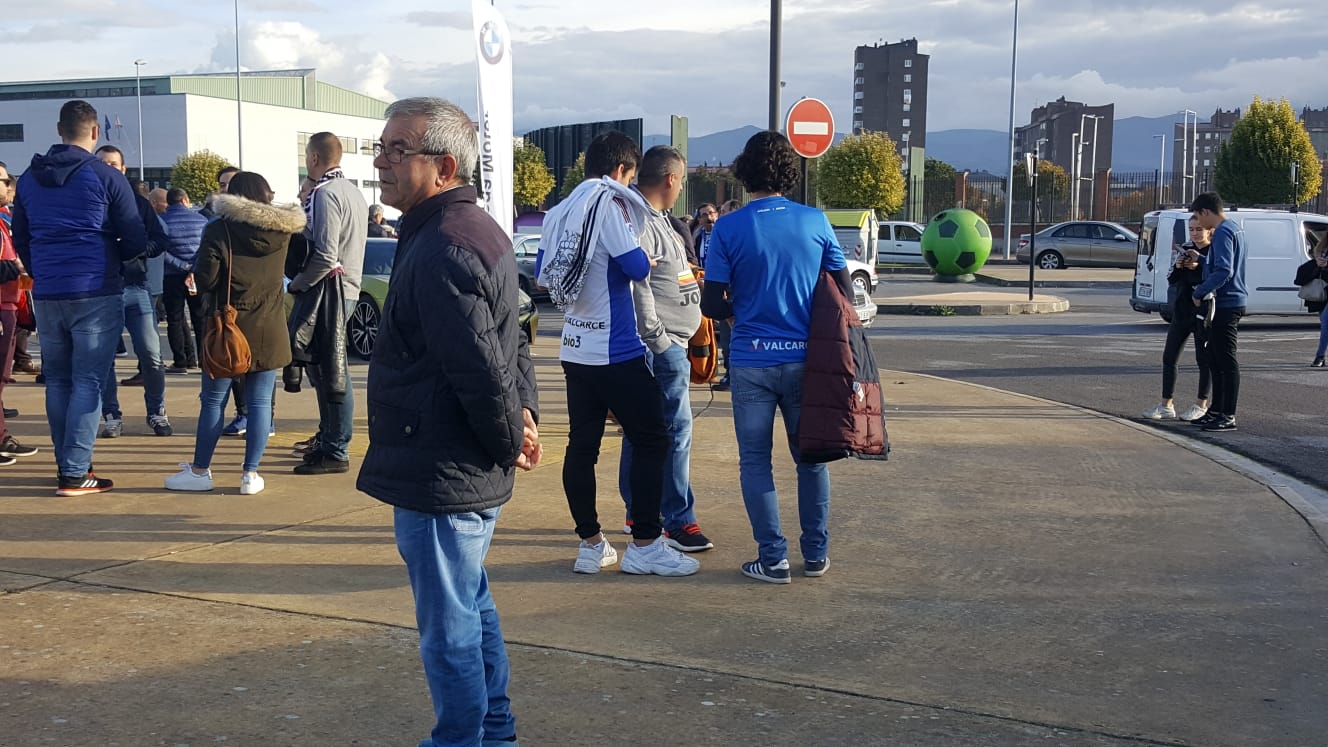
75	223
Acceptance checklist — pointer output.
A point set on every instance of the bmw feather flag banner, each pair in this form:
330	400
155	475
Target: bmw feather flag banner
493	48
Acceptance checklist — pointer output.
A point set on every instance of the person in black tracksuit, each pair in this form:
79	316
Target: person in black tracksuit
1185	275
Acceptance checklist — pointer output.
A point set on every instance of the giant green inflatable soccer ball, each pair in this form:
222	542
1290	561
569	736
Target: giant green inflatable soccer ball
956	242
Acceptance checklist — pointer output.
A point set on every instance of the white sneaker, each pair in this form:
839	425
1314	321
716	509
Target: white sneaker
1194	413
591	558
658	558
251	484
1161	412
186	479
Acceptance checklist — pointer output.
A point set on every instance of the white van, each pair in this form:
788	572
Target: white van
1277	242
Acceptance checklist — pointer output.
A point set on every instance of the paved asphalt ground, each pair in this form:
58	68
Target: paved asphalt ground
1107	357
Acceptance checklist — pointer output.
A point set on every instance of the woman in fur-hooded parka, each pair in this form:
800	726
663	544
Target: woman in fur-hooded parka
257	235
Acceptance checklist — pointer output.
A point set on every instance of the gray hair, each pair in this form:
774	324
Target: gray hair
448	130
375	210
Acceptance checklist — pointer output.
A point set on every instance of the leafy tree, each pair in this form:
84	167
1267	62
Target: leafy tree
532	180
576	173
1052	181
196	173
1254	164
863	171
938	169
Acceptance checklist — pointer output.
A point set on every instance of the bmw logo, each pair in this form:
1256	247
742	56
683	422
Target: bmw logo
491	43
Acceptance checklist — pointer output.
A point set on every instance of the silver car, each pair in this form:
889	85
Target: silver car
1082	243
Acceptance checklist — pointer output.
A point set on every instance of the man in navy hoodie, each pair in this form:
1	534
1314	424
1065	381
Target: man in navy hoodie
1224	282
75	224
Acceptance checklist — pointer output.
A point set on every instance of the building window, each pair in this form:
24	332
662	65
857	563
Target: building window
1208	135
903	138
908	95
908	62
908	78
348	144
11	133
858	67
857	124
857	95
1206	162
906	122
857	110
858	81
908	107
1208	149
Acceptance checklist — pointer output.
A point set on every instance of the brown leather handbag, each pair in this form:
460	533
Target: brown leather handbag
225	349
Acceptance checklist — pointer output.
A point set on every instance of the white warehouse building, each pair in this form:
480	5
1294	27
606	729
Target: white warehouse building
182	114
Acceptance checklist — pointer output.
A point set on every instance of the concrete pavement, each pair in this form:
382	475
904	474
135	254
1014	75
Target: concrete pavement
1018	572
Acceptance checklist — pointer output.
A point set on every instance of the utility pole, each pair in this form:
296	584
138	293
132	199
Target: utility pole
138	97
1009	180
775	23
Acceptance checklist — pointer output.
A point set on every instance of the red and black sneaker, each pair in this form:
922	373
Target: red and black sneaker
688	538
85	485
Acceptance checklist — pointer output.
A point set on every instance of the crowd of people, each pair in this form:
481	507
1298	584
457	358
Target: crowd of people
453	408
85	256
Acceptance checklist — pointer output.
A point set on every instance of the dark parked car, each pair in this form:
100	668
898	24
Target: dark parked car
362	327
1082	243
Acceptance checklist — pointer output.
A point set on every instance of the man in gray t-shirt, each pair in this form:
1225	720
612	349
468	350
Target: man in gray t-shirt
668	313
338	226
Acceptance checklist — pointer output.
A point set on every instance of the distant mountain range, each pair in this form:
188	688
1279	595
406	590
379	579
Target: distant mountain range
1134	148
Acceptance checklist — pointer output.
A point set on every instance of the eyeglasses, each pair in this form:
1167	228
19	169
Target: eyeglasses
396	153
7	181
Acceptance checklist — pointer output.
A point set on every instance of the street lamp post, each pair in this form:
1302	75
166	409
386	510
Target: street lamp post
1030	169
239	121
138	97
1161	170
1009	181
775	18
1077	153
1092	176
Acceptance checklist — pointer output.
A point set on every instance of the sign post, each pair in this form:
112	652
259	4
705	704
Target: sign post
1030	173
810	127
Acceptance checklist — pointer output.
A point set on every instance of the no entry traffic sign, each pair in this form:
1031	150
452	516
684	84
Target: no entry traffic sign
810	127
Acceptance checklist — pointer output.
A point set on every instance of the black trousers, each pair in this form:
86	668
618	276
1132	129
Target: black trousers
1226	369
1183	323
183	333
630	390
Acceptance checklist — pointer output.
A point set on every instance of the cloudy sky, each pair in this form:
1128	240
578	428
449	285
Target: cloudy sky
607	59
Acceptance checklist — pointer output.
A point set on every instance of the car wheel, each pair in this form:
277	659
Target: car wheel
862	281
1050	260
1166	316
362	330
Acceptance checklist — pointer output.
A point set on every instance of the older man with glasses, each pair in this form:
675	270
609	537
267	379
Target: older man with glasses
452	409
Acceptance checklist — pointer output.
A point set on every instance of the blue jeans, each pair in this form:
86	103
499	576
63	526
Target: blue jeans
461	641
258	393
78	339
677	503
141	321
1323	334
756	393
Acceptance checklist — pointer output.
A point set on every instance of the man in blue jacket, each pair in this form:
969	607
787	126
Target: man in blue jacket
75	223
185	226
1224	280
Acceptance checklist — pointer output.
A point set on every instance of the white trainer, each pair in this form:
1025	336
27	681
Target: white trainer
590	558
1161	412
187	479
1194	413
658	558
251	484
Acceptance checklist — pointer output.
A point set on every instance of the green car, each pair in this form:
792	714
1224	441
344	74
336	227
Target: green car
362	327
